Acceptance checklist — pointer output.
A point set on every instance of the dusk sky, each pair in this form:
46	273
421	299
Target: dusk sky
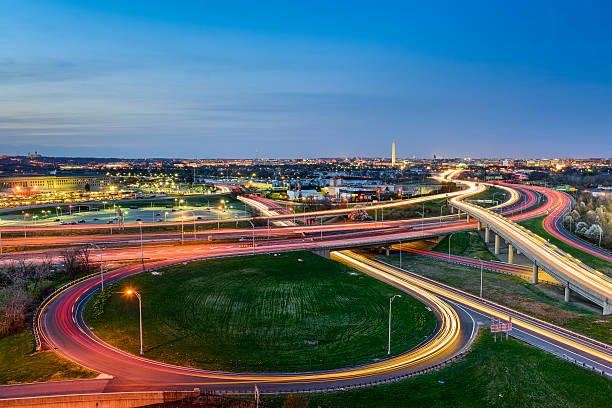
306	79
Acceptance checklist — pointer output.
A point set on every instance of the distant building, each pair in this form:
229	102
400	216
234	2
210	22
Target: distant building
302	194
393	154
47	184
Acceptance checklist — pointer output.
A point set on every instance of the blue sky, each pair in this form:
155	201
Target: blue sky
306	79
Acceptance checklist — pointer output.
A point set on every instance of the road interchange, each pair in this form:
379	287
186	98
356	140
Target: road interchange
457	313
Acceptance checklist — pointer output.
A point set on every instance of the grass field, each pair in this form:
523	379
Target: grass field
262	313
490	193
465	243
510	291
19	365
601	265
508	374
433	208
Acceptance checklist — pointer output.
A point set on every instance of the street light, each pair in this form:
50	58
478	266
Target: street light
101	265
182	229
390	303
129	292
449	246
25	235
141	247
481	268
400	254
253	225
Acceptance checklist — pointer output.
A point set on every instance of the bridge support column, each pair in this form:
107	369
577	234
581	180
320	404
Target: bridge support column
607	308
452	210
479	225
535	273
487	233
497	241
387	251
566	295
510	254
468	217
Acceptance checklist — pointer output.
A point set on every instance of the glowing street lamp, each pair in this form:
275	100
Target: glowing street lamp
129	292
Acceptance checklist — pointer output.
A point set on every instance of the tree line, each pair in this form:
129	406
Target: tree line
23	285
591	219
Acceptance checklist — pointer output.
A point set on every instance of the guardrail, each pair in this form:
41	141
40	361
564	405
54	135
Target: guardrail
35	315
401	377
505	309
493	266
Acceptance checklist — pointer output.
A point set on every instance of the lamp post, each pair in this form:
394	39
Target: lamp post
400	253
449	246
25	235
141	247
101	265
253	226
390	303
129	292
182	229
481	269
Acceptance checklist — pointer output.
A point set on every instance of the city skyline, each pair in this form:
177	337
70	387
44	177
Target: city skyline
281	80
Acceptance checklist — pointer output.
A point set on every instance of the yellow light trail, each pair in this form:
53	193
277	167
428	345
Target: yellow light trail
376	267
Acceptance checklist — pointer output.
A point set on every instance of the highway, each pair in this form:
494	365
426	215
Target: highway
61	328
566	269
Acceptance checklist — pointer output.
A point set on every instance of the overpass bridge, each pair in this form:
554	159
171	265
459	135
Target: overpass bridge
571	272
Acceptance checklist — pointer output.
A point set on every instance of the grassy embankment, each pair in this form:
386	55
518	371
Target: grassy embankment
537	227
490	194
433	208
19	365
496	374
262	313
512	291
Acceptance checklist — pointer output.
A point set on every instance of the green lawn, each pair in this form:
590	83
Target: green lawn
433	208
466	243
19	365
601	265
262	313
502	374
510	291
489	194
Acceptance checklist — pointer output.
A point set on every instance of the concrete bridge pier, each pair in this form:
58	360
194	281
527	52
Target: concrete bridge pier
497	242
468	218
566	295
324	252
510	254
487	235
607	308
479	225
535	273
387	250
